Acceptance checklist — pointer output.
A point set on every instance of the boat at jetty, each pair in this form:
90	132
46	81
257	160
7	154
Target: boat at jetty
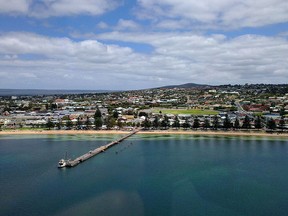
63	162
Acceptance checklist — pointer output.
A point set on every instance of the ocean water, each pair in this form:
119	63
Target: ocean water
145	175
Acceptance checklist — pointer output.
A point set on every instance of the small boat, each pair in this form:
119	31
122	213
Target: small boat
63	162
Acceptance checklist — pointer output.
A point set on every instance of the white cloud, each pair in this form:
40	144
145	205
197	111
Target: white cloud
48	8
127	25
177	58
102	25
16	43
217	13
75	7
14	6
210	59
173	24
284	34
61	61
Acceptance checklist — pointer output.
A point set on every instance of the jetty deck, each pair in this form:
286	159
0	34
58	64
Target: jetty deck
92	153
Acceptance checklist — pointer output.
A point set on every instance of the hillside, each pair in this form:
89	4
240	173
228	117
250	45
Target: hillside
186	85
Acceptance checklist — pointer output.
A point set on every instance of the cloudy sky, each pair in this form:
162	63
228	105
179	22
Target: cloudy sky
134	44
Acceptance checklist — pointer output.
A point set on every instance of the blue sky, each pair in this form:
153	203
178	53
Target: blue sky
121	44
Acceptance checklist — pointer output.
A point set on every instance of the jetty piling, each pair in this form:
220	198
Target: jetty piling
92	153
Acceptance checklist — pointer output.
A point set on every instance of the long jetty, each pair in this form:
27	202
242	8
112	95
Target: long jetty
92	153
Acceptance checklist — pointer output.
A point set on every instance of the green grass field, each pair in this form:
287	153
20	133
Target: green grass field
184	111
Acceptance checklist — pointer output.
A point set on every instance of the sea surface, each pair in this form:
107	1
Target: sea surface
34	92
151	175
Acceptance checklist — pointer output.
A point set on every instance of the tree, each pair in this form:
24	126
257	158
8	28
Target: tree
227	122
98	119
271	124
156	122
237	123
146	123
115	114
110	122
49	124
143	114
58	125
215	122
119	124
69	124
206	123
165	122
54	106
87	123
176	123
282	112
246	122
196	123
98	113
98	123
282	123
79	122
258	122
186	124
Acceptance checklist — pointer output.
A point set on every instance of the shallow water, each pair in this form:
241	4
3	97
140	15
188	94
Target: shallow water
145	175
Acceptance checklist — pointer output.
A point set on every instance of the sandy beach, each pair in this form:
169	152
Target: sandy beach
188	132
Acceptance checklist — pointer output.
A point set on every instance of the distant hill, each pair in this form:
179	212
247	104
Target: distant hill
34	92
186	85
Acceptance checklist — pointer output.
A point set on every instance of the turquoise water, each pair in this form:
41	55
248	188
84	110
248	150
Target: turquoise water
149	175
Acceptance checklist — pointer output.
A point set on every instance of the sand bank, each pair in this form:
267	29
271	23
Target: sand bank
188	132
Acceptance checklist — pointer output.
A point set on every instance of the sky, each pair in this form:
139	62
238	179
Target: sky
137	44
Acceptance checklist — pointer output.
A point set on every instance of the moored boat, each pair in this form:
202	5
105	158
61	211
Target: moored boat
63	162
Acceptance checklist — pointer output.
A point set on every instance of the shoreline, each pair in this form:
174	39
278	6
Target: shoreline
165	132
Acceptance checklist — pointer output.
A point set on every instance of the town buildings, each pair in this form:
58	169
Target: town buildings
197	107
